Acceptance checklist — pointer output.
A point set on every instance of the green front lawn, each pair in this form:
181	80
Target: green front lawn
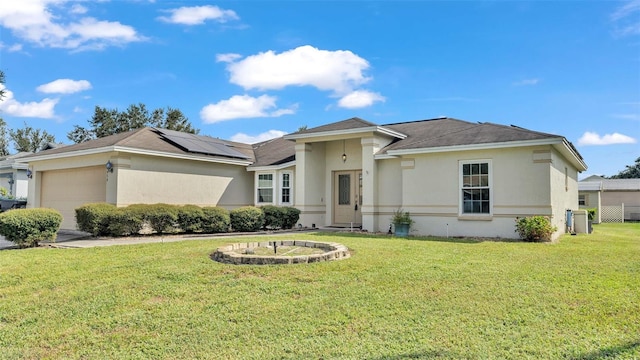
393	299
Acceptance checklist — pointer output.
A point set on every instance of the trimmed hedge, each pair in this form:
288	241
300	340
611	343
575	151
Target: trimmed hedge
291	217
26	227
280	217
273	217
92	218
124	222
163	218
191	218
102	219
247	218
216	220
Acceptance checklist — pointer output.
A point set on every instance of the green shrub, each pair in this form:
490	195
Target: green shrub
274	217
591	213
3	192
535	228
123	222
248	218
163	218
26	227
216	220
92	218
191	218
291	217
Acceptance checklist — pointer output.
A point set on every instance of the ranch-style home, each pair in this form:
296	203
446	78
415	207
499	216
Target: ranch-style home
456	178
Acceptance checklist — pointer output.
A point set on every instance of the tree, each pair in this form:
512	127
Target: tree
1	83
172	119
30	139
105	122
631	172
4	139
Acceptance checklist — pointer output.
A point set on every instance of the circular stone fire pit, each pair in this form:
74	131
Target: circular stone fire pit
286	252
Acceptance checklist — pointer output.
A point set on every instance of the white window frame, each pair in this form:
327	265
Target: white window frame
272	187
582	200
281	188
461	188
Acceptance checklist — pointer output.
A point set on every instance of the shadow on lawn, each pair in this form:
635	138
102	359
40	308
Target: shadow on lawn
611	352
460	240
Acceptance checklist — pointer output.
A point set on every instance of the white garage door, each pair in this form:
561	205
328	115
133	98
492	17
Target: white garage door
65	190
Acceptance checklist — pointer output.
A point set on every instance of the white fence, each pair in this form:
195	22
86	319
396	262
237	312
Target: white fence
612	214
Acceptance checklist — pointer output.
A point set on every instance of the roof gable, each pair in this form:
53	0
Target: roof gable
349	124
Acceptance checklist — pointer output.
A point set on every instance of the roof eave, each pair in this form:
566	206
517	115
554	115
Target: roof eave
560	143
109	149
336	133
271	167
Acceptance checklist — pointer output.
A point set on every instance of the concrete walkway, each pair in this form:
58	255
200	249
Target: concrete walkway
78	239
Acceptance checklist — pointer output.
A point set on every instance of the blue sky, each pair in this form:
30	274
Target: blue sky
250	70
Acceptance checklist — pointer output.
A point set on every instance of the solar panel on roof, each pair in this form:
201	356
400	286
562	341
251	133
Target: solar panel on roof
200	144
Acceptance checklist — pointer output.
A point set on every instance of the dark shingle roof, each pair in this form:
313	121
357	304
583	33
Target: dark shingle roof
353	123
274	152
443	132
145	139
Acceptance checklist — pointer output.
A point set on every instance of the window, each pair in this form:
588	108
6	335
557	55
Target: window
582	200
285	189
265	188
476	188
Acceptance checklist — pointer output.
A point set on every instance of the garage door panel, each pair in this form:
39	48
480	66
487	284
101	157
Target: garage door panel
65	190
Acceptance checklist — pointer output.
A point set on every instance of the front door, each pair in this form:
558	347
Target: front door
347	198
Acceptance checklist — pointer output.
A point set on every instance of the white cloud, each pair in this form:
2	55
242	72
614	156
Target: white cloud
227	57
626	18
64	86
78	9
197	15
525	82
339	71
44	23
592	138
359	99
42	109
248	139
627	116
243	106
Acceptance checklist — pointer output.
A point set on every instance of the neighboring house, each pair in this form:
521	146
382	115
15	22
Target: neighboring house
13	175
456	178
599	193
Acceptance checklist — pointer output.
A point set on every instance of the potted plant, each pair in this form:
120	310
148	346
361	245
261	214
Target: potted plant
402	222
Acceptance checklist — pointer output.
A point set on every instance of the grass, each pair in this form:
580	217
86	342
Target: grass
393	299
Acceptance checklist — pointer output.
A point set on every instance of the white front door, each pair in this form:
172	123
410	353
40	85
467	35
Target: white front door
347	198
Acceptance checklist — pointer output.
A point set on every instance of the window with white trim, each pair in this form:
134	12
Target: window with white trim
265	188
582	200
475	194
285	188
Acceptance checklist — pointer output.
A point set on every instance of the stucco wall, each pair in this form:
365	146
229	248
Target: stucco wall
310	183
431	190
564	191
177	181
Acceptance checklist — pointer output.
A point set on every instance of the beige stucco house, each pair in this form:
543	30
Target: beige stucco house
13	175
596	192
456	178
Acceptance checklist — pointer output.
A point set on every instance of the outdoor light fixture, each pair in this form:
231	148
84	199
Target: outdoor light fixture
109	166
29	173
344	154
